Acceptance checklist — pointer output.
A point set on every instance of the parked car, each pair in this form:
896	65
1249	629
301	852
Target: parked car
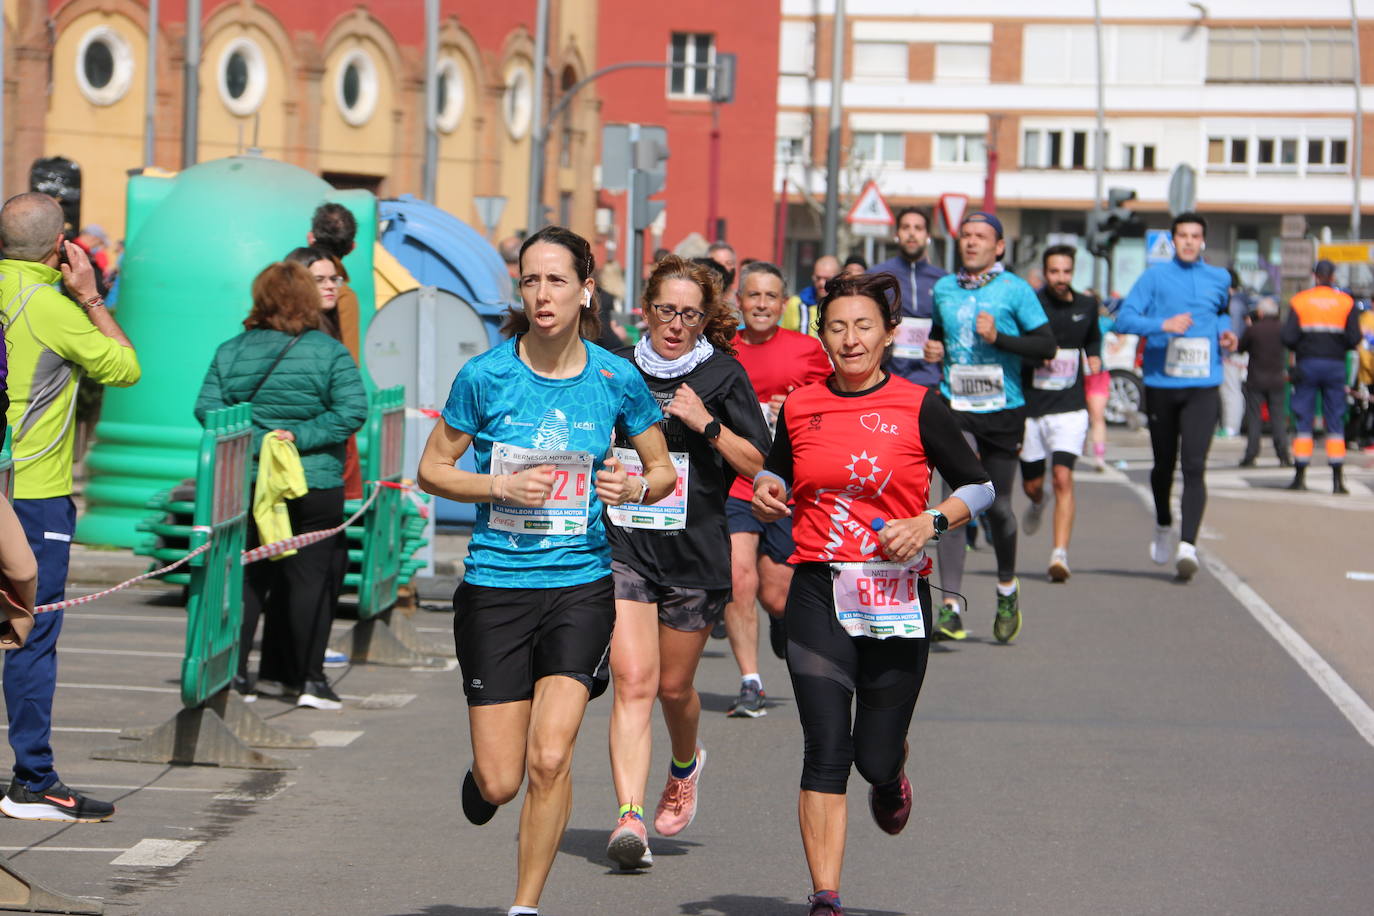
1121	357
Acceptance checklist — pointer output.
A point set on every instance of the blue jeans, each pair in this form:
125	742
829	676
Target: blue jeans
30	676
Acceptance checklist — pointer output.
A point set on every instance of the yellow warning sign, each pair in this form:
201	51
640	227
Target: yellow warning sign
1346	253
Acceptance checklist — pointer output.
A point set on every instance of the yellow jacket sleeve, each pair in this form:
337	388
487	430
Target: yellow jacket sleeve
280	477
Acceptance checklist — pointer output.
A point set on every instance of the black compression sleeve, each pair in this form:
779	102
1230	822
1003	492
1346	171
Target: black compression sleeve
779	460
1093	345
945	445
1037	343
1352	330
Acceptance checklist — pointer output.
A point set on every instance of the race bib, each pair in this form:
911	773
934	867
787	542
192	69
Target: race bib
669	513
1188	357
1061	372
565	511
912	334
879	600
977	389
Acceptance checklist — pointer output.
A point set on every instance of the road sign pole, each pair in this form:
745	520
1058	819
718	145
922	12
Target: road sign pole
634	259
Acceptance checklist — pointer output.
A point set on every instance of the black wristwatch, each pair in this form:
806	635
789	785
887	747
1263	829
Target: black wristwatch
712	431
938	519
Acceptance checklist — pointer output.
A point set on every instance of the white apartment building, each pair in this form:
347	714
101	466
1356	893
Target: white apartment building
1257	96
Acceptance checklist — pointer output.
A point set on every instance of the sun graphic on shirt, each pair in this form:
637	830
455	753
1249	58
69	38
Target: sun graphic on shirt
862	468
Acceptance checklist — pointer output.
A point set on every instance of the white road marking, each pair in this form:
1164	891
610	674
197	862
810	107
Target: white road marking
385	700
115	788
104	849
85	616
78	730
1347	701
157	853
1360	576
328	738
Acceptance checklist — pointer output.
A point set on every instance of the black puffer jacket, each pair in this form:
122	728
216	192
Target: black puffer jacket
315	392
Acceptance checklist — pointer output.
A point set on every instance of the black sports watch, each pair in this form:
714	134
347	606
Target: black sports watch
712	431
938	519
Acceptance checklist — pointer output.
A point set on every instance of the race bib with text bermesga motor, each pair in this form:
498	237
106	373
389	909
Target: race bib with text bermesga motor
565	511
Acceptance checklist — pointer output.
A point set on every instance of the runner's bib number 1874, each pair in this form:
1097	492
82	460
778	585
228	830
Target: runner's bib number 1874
565	511
878	600
1188	357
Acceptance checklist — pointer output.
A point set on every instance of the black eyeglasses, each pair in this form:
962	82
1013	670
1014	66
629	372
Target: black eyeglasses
690	317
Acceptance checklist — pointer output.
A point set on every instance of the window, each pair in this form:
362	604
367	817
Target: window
242	76
1327	155
1137	156
1080	149
880	60
960	149
1042	149
451	95
961	63
355	87
1228	153
104	66
1276	154
1279	54
791	149
517	103
879	149
695	53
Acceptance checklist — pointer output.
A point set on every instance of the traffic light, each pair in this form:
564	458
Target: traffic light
1105	229
723	87
650	174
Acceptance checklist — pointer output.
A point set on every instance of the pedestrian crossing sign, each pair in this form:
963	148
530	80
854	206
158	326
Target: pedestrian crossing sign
1159	246
870	209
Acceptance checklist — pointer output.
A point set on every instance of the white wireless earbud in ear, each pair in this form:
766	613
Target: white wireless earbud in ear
586	298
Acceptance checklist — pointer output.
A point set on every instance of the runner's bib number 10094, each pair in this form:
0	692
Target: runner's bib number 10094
1188	357
565	511
669	513
977	388
879	600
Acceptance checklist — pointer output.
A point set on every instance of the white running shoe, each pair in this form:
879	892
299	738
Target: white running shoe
1186	561
1161	548
1030	521
1059	565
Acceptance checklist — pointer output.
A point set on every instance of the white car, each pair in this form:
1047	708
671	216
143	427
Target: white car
1121	358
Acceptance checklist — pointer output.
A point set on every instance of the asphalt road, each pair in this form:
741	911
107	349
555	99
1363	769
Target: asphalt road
1145	747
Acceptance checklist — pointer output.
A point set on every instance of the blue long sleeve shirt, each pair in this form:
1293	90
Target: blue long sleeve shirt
917	281
1192	359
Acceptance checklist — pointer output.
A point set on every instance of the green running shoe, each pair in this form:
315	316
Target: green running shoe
1007	623
951	624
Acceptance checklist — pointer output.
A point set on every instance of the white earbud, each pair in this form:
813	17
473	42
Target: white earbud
586	298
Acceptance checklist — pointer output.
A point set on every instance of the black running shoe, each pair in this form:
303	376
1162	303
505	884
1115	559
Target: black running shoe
55	803
476	808
777	636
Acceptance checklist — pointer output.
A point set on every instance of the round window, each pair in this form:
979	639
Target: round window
242	76
355	87
518	102
452	95
104	66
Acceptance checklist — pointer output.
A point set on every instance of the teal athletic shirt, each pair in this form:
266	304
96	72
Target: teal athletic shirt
497	398
1014	308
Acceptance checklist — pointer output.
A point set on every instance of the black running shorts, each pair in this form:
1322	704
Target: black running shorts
509	638
689	610
775	538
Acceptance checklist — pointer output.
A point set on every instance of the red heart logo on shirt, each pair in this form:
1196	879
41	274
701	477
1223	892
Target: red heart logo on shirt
870	421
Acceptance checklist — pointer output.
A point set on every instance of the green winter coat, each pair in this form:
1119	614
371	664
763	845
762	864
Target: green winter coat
315	392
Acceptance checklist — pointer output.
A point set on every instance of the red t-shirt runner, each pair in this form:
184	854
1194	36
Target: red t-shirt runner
782	363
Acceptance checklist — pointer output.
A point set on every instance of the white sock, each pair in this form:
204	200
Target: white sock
1006	589
518	910
751	677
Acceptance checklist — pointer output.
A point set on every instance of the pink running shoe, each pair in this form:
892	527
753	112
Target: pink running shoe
629	844
677	806
891	809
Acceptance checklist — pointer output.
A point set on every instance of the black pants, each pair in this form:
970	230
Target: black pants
298	595
1186	417
1278	421
831	669
996	439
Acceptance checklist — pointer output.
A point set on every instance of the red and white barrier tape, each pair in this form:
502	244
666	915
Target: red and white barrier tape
248	556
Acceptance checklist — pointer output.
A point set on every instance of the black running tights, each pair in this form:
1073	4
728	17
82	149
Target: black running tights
999	519
1186	416
831	670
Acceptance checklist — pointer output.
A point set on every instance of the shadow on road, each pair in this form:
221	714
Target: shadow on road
591	845
444	909
743	905
720	702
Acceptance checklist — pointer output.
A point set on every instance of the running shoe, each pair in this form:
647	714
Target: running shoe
718	631
629	845
951	623
319	695
1161	548
751	703
243	686
333	659
1034	514
476	808
891	805
1007	623
55	803
677	806
1059	565
825	903
777	636
1186	561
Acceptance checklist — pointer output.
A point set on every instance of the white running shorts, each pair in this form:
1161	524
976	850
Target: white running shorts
1055	432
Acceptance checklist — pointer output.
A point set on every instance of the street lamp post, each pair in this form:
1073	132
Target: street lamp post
1357	169
534	213
832	150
